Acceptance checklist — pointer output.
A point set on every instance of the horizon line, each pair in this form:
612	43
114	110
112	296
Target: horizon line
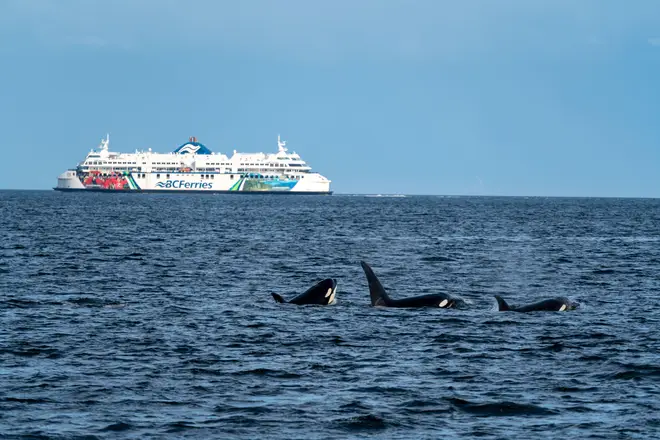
384	194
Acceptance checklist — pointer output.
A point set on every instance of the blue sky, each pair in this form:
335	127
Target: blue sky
545	97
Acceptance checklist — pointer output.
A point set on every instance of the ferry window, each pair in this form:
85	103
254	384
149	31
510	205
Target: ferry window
231	176
167	176
157	176
212	176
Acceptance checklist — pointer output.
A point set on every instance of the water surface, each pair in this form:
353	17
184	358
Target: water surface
147	316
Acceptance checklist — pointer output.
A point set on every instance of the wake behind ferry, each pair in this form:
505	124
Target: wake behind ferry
193	168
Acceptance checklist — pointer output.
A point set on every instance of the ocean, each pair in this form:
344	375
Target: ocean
150	316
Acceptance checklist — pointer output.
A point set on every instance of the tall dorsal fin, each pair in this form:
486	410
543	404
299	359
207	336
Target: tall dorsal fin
501	304
376	290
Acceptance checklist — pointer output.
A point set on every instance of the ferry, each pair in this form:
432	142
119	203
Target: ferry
193	168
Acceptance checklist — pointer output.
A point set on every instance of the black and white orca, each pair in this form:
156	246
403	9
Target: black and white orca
323	293
558	304
380	298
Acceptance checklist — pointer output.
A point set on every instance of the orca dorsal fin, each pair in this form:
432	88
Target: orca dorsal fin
376	290
501	304
278	298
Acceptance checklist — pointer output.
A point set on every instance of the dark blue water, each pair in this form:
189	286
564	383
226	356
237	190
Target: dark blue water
149	316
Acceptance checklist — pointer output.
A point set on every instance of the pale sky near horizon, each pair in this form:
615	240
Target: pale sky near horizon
474	97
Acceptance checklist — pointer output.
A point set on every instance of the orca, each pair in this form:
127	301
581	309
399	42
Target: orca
322	293
380	298
558	304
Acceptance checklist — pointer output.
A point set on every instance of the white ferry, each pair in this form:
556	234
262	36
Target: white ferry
193	168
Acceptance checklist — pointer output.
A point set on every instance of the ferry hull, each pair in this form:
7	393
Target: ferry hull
215	183
201	191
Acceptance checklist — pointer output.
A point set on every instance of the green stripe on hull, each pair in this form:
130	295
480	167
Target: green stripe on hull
132	183
236	185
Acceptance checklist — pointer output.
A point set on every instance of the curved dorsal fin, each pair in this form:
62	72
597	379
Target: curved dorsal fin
501	304
278	298
376	290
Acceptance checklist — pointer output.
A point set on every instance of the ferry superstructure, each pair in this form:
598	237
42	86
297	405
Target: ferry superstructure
192	167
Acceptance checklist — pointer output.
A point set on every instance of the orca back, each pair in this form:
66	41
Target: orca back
559	304
432	300
379	296
547	305
322	293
